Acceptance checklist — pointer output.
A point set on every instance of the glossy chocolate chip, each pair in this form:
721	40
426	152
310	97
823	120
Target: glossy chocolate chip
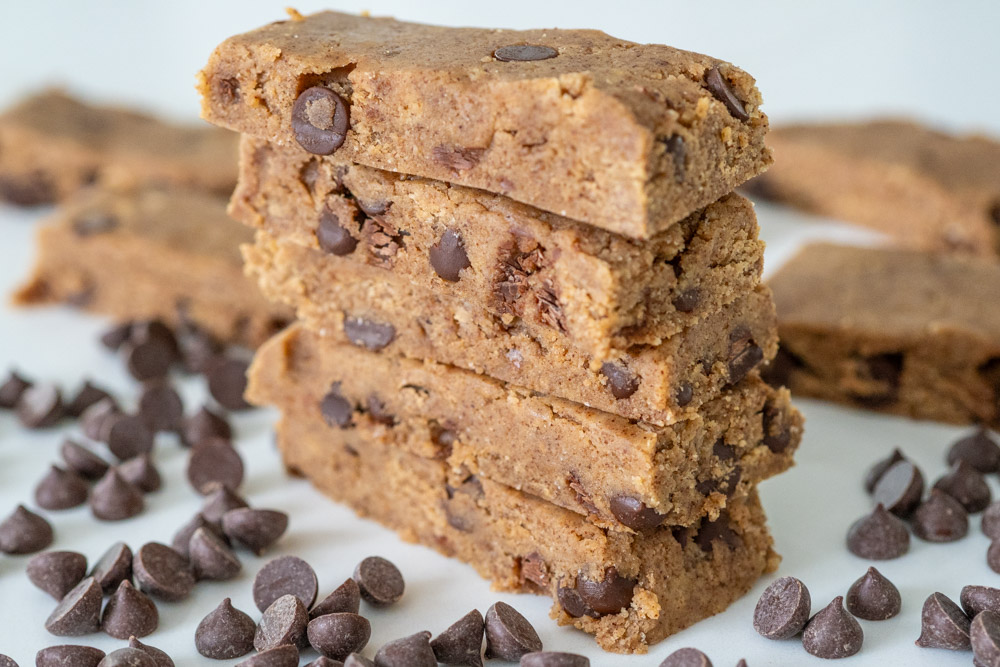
67	656
524	53
368	334
211	557
412	651
984	635
721	90
783	609
462	642
900	488
12	389
255	529
554	659
833	633
333	237
61	489
57	572
940	518
878	536
79	612
448	256
82	460
281	656
141	473
285	575
40	406
114	499
975	599
978	450
379	581
225	633
113	567
24	532
86	396
128	436
943	624
621	381
633	513
128	657
162	572
203	425
873	597
159	657
320	120
608	596
161	407
879	469
214	461
337	410
509	635
687	657
345	598
283	622
338	635
966	485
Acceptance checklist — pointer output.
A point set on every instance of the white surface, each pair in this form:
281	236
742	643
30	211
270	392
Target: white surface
932	60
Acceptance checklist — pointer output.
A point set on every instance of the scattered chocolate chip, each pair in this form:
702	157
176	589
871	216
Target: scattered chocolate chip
210	557
975	599
128	436
324	661
320	120
462	642
148	357
214	460
333	237
783	609
368	334
412	651
509	635
979	450
553	659
24	532
633	513
114	567
6	661
82	461
688	300
878	536
57	572
12	389
984	635
128	657
991	521
281	656
197	348
116	336
358	660
162	572
161	407
61	489
182	538
346	598
943	624
833	633
993	556
285	575
379	581
256	529
524	53
96	420
873	597
159	657
85	397
283	622
336	636
337	410
940	518
227	382
876	472
219	500
79	612
719	530
114	499
225	633
722	91
67	656
40	406
621	381
129	612
448	256
687	657
204	425
141	473
966	485
900	488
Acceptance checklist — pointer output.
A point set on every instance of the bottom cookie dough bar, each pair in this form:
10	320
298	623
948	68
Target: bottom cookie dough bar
629	590
900	331
617	472
165	253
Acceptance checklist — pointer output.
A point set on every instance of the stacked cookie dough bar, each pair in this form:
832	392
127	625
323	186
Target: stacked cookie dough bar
529	302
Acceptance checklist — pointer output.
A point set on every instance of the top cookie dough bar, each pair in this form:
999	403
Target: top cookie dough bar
626	137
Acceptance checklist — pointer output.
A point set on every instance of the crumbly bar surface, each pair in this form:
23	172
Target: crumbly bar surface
926	189
52	144
382	311
599	291
908	332
628	589
618	472
628	137
150	252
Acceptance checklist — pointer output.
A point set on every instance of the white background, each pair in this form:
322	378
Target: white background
935	61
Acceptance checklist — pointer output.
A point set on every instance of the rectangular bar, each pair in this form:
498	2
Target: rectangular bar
627	137
618	472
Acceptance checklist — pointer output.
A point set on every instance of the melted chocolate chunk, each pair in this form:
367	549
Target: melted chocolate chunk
744	355
320	120
719	530
633	513
368	334
717	84
524	53
448	256
608	596
333	237
621	381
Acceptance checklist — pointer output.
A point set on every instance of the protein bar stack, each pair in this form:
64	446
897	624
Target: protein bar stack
530	310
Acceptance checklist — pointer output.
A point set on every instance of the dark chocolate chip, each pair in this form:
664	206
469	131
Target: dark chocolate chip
346	598
128	436
379	581
12	389
448	256
281	656
878	536
32	189
114	499
219	500
79	612
197	348
368	334
685	392
129	613
900	488
677	149
256	529
783	609
687	300
722	91
285	575
554	659
148	358
211	557
117	335
283	622
524	53
86	396
573	604
378	411
161	407
128	657
97	419
979	450
633	513
975	599
719	530
182	538
943	625
337	410
833	633
24	532
6	661
162	572
225	633
608	596
879	469
412	651
966	485
873	597
940	518
993	556
358	660
204	425
687	657
214	461
141	473
332	237
57	572
744	355
61	489
509	635
82	461
40	406
778	371
462	643
621	381
984	635
113	567
227	382
159	657
67	656
338	635
320	120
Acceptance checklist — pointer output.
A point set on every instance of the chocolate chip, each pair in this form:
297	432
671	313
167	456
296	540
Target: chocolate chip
141	473
40	406
320	120
129	612
97	419
900	488
128	436
6	661
833	633
67	656
368	334
685	392
12	389
621	381
82	461
227	382
116	336
688	300
677	149
778	371
285	575
338	635
358	660
204	425
633	513
197	348
412	651
873	597
783	609
214	461
608	596
979	450
984	635
345	598
966	485
878	536
553	659
114	499
256	529
509	635
24	532
281	656
337	410
379	581
182	538
32	189
940	518
86	396
332	237
975	599
462	642
879	469
283	622
719	530
79	611
378	411
128	657
61	489
993	556
226	633
448	256
162	572
722	91
148	358
114	567
524	53
57	572
220	500
744	355
161	407
687	657
159	657
211	557
943	625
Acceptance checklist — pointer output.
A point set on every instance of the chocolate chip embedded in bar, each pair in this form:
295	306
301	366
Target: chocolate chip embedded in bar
897	331
622	136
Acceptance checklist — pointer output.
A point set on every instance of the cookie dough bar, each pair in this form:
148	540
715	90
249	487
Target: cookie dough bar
627	137
151	252
901	331
382	311
52	144
924	188
628	589
599	291
616	471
